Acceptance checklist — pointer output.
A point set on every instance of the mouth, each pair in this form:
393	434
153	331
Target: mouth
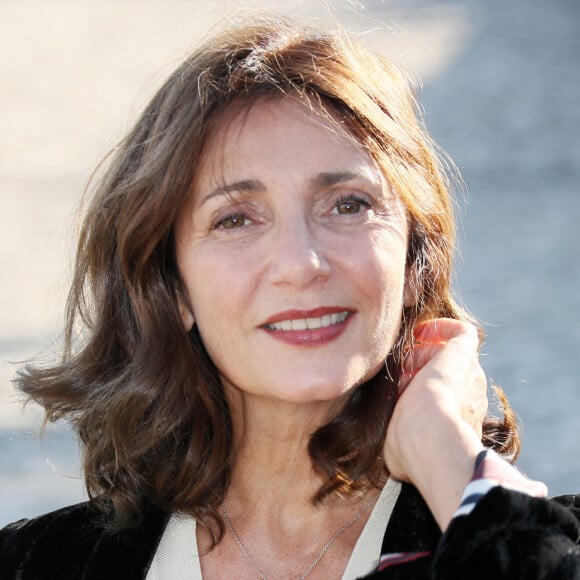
310	323
308	327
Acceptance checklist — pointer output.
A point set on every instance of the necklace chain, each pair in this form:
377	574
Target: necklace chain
320	554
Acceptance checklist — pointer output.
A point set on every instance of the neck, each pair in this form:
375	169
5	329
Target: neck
271	452
269	498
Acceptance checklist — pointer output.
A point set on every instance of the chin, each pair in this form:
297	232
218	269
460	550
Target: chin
326	392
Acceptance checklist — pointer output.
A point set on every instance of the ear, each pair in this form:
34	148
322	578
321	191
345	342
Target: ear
186	313
411	289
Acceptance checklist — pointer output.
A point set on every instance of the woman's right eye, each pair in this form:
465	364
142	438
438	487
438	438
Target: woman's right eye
231	222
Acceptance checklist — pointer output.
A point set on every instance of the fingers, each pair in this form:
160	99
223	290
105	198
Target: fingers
445	360
446	329
430	336
415	360
419	356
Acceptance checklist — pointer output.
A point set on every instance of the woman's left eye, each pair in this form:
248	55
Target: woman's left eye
233	221
351	205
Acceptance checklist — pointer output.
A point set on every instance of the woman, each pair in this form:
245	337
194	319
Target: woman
271	346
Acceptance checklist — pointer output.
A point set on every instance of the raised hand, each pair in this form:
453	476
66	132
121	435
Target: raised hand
435	432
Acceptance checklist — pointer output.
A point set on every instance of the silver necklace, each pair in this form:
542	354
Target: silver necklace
329	543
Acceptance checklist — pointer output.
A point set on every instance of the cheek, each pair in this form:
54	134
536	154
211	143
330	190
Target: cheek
383	268
209	278
219	291
213	319
383	278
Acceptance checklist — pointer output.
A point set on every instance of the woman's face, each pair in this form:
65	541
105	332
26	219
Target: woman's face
292	250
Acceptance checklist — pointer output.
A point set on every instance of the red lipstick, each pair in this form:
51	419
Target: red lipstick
308	327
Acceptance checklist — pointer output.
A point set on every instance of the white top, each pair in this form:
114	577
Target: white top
177	556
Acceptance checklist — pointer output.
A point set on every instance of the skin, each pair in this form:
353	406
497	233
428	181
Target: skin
268	235
434	434
290	241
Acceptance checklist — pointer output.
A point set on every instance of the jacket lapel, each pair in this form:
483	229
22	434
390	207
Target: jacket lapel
127	554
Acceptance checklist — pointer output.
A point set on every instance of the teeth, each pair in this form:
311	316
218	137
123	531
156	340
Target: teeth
310	323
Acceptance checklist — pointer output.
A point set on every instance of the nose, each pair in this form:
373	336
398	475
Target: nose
298	256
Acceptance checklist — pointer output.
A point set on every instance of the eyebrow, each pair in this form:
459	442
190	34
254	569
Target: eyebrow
330	179
326	179
243	186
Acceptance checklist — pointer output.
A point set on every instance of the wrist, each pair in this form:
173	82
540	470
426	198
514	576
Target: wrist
442	465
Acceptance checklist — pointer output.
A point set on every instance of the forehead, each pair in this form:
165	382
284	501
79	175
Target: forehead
279	133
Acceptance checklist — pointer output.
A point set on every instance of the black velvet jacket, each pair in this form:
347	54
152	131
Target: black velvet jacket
507	536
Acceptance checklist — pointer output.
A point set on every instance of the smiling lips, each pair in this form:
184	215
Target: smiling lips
308	327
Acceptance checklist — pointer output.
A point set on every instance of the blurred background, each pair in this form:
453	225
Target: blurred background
501	93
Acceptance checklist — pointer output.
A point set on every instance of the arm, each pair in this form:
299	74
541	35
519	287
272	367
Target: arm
433	441
502	534
510	535
434	434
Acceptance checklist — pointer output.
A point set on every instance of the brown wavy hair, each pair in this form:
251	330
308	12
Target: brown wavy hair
141	392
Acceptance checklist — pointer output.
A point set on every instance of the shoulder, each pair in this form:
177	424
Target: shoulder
510	533
34	543
570	502
74	542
